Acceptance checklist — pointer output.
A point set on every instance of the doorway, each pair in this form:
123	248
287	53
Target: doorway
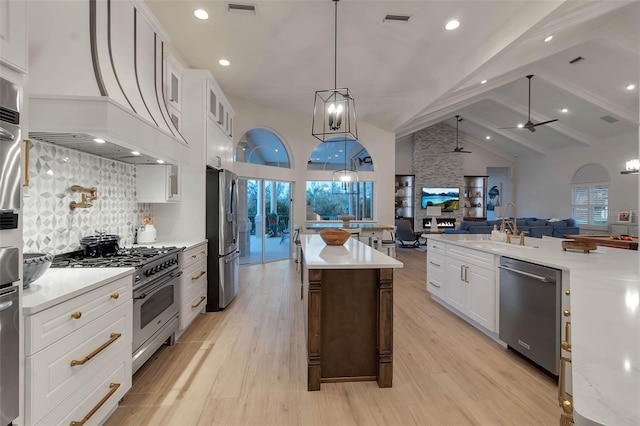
266	205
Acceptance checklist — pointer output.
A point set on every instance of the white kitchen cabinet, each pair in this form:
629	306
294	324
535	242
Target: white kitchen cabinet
83	367
157	183
13	34
172	82
193	283
464	279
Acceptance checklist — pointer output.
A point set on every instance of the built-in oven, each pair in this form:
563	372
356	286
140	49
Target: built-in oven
10	148
155	315
9	323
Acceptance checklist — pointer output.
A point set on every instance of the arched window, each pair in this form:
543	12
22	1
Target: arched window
262	146
330	155
590	195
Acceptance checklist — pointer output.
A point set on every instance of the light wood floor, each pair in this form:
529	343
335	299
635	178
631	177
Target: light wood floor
247	366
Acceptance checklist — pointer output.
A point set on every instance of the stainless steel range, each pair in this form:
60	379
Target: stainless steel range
155	292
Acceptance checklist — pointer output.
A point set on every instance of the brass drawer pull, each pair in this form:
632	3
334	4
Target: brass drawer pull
564	399
115	295
114	387
198	276
202	252
566	313
566	343
114	337
193	256
566	420
202	298
433	263
76	315
567	292
434	284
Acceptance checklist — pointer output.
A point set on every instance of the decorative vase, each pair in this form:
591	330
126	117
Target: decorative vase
346	218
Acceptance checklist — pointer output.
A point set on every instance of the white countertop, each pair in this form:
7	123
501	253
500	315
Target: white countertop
605	326
351	255
60	284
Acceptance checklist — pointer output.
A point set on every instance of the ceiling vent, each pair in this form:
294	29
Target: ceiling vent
575	60
241	8
396	18
609	119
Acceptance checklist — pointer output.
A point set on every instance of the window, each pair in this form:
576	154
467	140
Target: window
324	204
590	195
591	204
262	146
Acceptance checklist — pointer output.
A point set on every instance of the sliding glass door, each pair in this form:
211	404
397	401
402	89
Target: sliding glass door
267	207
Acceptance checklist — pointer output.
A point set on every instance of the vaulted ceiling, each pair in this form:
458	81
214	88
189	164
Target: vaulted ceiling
407	76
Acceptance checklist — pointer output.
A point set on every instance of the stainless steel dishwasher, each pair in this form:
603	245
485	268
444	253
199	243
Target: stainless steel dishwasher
530	311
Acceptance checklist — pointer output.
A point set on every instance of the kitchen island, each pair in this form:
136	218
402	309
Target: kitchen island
347	294
604	316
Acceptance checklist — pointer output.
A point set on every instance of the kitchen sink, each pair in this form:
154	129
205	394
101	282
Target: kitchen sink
503	246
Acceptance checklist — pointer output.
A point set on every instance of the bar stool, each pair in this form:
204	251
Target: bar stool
388	246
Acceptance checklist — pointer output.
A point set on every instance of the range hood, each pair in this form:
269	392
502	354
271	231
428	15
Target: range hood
96	72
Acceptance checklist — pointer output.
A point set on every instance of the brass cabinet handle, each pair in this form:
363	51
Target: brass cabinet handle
566	420
202	252
102	347
113	388
200	302
434	284
564	399
115	295
76	315
198	276
567	292
434	263
193	256
566	343
566	313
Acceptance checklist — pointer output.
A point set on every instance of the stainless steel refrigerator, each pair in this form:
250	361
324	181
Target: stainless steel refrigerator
222	233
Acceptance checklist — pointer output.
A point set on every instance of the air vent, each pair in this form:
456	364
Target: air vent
241	8
609	119
8	220
9	116
574	60
396	18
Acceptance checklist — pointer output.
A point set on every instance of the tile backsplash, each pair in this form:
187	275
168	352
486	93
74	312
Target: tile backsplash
50	226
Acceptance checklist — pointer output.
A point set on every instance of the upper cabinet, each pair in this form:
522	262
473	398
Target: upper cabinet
172	87
13	34
218	108
157	183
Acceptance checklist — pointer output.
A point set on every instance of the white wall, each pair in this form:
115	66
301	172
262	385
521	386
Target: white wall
542	184
295	132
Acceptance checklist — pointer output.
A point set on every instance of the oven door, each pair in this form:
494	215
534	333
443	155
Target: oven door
154	304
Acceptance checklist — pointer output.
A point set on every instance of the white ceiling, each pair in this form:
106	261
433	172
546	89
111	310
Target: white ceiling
405	77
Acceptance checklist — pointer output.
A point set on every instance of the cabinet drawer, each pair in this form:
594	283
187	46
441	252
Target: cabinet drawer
435	262
189	257
191	307
472	257
51	325
50	375
435	283
433	245
102	393
193	279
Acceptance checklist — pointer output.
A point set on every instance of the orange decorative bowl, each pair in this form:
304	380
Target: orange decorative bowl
334	236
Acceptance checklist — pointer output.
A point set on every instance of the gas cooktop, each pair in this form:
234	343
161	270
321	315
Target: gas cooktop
134	257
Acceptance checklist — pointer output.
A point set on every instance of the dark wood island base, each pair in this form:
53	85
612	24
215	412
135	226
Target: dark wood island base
349	325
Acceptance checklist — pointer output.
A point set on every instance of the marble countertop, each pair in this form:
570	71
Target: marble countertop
365	226
60	284
605	326
187	244
351	255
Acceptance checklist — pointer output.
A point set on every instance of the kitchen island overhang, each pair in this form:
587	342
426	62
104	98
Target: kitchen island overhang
347	294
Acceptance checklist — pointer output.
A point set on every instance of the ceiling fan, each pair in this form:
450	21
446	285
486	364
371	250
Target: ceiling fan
529	124
459	148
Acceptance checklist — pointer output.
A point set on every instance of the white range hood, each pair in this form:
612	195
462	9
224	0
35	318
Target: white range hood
96	71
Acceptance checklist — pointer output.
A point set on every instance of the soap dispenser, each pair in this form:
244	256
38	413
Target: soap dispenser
495	234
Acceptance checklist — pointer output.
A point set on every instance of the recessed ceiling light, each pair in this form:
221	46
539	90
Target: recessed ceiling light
160	161
135	153
487	137
98	140
520	126
548	38
483	82
565	110
631	86
224	62
452	24
201	14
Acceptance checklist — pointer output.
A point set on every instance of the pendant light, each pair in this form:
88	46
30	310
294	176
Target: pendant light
334	110
345	180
